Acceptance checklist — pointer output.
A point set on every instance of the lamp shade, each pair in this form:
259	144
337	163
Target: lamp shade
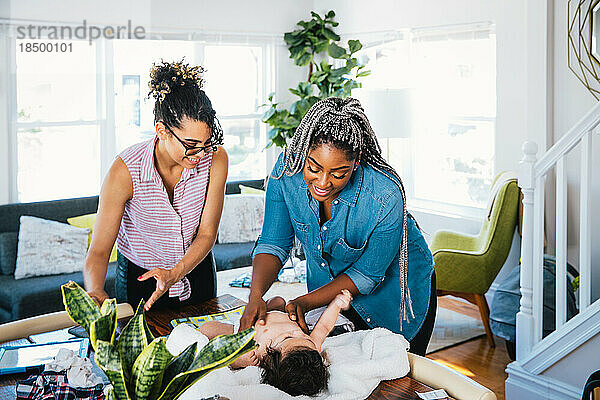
390	111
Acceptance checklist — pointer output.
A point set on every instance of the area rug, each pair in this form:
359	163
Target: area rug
452	328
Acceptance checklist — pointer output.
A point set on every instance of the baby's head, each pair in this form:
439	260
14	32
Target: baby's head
295	370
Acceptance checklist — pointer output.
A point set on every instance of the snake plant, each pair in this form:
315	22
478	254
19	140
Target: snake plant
138	365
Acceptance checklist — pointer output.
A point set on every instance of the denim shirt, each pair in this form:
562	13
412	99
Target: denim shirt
361	240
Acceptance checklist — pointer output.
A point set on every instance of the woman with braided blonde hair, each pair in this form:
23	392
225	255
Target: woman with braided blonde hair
332	189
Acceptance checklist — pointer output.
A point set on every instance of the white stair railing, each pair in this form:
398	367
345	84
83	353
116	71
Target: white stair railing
532	176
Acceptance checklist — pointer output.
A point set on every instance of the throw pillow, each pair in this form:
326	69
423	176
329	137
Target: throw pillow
8	252
49	247
250	190
88	221
242	218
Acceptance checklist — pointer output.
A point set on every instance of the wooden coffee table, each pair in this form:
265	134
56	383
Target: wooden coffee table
398	389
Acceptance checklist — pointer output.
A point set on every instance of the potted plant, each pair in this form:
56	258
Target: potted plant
311	46
138	365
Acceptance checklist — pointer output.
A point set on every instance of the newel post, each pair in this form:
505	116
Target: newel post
525	320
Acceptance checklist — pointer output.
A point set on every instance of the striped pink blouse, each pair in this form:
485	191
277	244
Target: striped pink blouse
155	233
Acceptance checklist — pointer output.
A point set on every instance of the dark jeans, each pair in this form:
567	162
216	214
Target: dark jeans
418	344
203	283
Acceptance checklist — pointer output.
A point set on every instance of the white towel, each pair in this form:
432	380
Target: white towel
358	362
79	369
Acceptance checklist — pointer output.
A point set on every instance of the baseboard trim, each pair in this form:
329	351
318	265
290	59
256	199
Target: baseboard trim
524	385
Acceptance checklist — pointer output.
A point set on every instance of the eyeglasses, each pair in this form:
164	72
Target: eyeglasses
192	150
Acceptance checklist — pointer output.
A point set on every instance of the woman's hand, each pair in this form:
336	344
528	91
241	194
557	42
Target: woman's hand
98	296
254	313
165	278
296	309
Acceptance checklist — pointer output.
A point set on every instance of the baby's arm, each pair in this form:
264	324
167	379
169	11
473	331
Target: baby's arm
326	323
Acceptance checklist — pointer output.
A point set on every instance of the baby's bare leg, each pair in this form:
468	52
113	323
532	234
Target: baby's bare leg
276	303
213	329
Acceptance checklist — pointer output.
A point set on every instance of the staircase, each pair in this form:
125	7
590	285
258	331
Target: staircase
544	365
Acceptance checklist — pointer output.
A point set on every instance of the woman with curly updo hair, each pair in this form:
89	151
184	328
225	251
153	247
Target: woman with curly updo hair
162	200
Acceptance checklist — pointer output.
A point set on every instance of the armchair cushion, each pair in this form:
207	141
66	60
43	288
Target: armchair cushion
463	271
454	241
467	263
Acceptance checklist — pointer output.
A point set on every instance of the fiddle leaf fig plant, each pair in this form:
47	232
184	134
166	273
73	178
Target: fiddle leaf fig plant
138	365
313	45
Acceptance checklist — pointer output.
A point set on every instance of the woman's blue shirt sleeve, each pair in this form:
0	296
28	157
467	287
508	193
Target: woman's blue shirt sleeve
277	236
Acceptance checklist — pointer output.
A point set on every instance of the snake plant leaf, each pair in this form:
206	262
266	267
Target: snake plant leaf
131	343
149	336
108	306
222	348
179	364
191	378
79	305
219	352
104	328
133	340
149	368
109	360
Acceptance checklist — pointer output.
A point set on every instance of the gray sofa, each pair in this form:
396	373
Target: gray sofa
27	297
39	295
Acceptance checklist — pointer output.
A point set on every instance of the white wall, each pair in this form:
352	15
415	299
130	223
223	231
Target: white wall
5	83
224	16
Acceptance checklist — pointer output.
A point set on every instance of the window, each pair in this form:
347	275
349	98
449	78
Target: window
58	152
83	107
233	82
447	159
132	60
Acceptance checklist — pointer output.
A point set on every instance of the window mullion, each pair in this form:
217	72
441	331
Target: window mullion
105	110
12	118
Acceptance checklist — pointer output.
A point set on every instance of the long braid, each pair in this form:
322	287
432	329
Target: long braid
343	123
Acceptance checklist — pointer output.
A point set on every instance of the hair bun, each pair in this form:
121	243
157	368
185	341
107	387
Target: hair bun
167	77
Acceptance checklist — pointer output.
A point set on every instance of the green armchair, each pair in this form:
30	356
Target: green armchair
466	265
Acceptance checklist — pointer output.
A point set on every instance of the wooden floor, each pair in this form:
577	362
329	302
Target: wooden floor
475	358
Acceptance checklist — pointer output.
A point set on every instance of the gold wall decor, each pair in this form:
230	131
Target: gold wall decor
584	43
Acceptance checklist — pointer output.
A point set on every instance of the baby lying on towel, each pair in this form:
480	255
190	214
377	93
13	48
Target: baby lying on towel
291	360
